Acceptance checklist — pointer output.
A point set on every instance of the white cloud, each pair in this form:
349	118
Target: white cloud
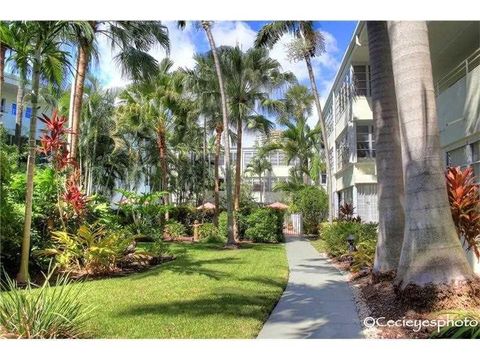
182	49
232	33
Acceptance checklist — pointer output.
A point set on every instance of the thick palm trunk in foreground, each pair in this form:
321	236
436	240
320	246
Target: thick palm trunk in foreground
391	216
228	173
431	252
23	275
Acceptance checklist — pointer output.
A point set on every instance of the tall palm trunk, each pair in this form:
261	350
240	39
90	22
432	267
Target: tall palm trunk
218	139
70	107
3	50
261	188
228	173
23	275
306	178
19	114
328	170
204	158
431	252
162	150
391	215
83	57
238	179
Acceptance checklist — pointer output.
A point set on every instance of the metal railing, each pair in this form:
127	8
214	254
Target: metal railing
458	72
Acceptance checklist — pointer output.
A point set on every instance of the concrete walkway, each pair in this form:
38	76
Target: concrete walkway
317	303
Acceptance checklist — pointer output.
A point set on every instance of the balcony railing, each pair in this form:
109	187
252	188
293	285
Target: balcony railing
458	72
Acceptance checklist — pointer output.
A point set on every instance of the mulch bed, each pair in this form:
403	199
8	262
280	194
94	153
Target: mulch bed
380	298
123	270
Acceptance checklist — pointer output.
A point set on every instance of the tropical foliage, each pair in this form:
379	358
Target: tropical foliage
51	311
464	198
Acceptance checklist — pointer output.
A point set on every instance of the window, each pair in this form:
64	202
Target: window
342	96
343	150
324	179
2	105
28	112
476	159
360	77
457	157
247	157
367	202
282	158
365	142
345	196
14	109
329	119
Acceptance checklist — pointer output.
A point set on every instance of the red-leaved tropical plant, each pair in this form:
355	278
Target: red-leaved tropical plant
346	212
73	196
52	141
53	144
464	198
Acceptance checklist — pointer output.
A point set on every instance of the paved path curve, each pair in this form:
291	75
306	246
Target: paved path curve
317	303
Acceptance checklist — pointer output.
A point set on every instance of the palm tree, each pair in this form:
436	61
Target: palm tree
96	146
207	27
391	212
48	61
431	252
298	140
308	43
133	39
4	32
258	166
154	107
249	79
20	47
203	81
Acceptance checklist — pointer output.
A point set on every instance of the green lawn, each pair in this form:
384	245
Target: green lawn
207	292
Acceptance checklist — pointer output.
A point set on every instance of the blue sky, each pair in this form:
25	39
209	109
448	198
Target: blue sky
191	40
185	43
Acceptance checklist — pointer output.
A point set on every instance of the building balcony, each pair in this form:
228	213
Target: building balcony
458	100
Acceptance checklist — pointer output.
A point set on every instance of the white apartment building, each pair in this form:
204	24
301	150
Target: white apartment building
280	169
455	53
8	109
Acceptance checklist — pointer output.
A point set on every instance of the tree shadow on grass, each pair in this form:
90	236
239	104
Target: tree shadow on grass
265	281
231	303
260	246
187	264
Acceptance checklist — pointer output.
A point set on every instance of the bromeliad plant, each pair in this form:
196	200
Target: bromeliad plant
464	198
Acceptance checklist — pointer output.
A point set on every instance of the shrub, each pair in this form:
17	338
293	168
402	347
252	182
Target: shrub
47	312
92	248
312	202
335	236
263	225
209	233
186	215
174	229
365	254
223	224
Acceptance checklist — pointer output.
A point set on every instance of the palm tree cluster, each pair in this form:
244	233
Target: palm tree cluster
160	131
